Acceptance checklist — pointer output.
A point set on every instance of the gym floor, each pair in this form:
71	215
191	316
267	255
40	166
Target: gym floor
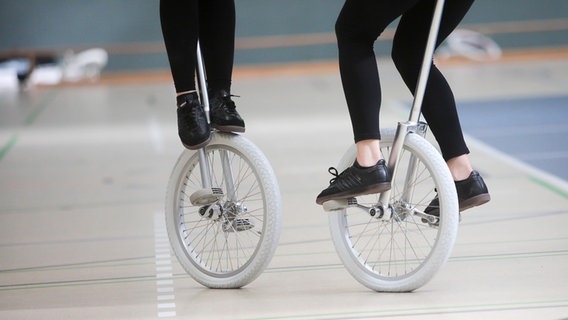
84	169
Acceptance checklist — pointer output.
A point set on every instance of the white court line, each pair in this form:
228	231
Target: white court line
166	314
156	135
163	268
164	276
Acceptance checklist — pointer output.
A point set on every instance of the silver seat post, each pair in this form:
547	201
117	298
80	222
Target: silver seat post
204	97
202	82
426	62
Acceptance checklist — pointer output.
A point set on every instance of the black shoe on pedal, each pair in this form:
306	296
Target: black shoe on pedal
356	181
224	115
471	192
193	129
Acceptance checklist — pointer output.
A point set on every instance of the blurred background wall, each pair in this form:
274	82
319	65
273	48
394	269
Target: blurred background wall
268	31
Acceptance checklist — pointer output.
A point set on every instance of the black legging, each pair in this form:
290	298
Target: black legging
358	26
210	21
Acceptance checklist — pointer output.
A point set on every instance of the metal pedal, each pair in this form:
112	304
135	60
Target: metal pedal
203	197
340	204
431	220
434	221
239	224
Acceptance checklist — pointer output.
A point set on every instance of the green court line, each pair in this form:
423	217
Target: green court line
30	119
550	187
8	146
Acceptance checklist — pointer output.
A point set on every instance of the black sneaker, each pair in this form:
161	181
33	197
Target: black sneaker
356	181
193	129
223	114
471	192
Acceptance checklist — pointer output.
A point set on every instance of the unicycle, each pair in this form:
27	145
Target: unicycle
387	241
223	207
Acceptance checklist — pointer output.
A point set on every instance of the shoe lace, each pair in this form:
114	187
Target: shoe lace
228	103
336	175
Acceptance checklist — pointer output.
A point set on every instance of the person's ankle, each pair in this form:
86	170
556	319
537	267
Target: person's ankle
461	175
460	167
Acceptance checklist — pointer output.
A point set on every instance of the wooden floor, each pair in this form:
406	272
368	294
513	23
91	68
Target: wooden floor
83	174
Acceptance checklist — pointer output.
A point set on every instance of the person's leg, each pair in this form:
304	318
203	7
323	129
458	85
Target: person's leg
359	24
179	20
217	40
180	29
439	106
